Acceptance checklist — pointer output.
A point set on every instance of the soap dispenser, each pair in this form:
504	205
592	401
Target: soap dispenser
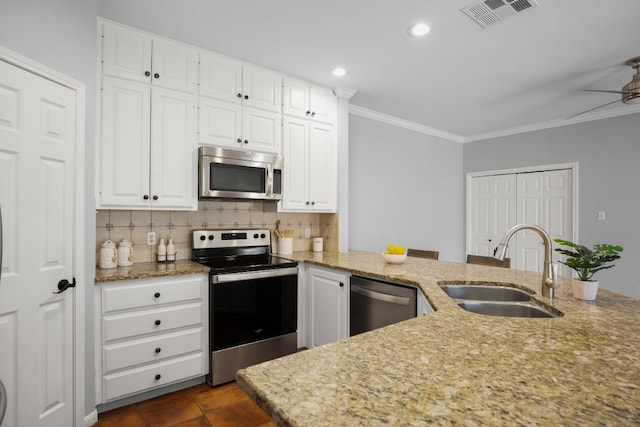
171	251
162	251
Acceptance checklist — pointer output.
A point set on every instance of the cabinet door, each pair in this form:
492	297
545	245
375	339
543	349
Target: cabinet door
261	130
261	88
322	176
124	145
220	123
295	153
328	293
174	66
295	98
220	78
126	54
173	149
322	104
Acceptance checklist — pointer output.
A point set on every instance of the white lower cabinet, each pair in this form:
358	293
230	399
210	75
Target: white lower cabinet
423	306
327	293
150	333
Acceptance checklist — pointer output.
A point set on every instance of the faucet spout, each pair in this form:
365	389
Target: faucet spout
549	270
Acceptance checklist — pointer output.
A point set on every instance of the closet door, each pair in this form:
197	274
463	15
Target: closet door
498	202
545	199
492	212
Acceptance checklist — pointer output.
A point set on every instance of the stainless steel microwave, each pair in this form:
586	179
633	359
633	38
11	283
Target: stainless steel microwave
234	174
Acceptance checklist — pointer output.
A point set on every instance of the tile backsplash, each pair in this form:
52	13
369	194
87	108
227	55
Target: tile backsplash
116	225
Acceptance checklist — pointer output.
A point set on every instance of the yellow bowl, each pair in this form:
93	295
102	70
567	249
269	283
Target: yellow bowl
394	259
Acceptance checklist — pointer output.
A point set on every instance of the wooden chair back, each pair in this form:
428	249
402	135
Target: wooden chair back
419	253
488	260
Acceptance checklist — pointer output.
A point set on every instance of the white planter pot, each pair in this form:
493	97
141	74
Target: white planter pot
585	290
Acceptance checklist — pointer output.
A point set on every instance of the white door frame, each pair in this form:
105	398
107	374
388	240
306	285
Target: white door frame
542	168
31	66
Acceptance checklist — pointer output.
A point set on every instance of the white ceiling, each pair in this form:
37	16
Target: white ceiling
527	71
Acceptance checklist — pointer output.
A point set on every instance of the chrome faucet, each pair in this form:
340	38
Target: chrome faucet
549	270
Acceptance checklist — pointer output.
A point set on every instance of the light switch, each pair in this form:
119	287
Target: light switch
600	215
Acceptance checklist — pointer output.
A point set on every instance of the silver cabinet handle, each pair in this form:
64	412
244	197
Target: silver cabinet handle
380	296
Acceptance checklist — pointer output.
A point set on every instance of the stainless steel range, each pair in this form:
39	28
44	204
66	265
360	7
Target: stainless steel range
253	300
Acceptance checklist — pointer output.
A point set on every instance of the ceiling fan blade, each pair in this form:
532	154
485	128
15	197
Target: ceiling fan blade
621	92
594	108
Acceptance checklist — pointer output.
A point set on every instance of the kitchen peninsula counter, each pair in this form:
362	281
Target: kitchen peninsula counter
454	367
145	270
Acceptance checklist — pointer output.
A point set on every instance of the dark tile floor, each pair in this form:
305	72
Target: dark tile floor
199	406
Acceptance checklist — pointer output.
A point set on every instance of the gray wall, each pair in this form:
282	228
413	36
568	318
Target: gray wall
404	188
61	35
608	156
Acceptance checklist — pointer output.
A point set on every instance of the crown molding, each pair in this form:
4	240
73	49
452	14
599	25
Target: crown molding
392	120
589	117
622	111
344	92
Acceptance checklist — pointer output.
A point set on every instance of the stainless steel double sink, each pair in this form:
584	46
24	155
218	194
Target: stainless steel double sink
495	300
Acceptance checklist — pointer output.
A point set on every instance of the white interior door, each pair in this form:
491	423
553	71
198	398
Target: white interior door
37	149
544	198
492	212
498	202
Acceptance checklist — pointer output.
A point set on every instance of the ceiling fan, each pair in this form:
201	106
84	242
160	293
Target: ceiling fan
630	93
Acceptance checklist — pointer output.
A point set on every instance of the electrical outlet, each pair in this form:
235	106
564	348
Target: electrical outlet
307	233
601	216
151	238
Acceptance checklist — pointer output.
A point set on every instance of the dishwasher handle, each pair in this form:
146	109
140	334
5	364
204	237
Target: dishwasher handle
380	296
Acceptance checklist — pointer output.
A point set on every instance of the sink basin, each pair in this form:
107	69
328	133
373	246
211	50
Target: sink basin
485	293
506	309
495	300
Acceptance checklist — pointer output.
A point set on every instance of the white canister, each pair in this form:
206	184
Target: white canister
125	253
285	245
317	244
108	255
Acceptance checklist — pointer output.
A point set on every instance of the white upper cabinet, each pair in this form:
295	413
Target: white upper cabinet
136	56
300	99
220	78
233	81
310	176
147	147
239	105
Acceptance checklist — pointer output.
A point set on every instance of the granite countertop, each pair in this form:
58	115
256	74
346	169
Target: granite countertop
144	270
454	367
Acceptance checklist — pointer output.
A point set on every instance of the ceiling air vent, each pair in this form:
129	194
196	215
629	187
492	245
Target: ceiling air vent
489	12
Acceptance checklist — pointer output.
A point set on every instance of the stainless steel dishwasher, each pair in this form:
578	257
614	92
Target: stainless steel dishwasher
374	304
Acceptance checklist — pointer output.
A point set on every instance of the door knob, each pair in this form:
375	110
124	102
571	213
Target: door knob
64	284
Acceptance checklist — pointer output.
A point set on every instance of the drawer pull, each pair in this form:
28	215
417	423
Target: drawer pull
158	376
158	349
157	322
157	295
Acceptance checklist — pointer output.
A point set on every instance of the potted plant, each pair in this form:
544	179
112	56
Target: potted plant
586	262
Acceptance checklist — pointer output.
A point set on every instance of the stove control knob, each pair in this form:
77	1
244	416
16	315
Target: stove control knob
255	236
203	238
262	236
211	237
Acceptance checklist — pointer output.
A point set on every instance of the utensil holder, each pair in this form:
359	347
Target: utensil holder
285	245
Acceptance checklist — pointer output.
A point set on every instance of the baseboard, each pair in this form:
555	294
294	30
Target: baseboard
91	418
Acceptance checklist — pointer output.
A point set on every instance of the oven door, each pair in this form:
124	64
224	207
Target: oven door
253	306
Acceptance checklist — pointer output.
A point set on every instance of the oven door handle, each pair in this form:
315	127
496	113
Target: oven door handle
393	299
250	275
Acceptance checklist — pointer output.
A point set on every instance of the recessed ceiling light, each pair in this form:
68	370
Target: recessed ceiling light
419	30
338	71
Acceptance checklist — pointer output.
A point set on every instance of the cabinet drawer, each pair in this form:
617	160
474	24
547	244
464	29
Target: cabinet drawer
118	326
144	378
151	349
152	293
